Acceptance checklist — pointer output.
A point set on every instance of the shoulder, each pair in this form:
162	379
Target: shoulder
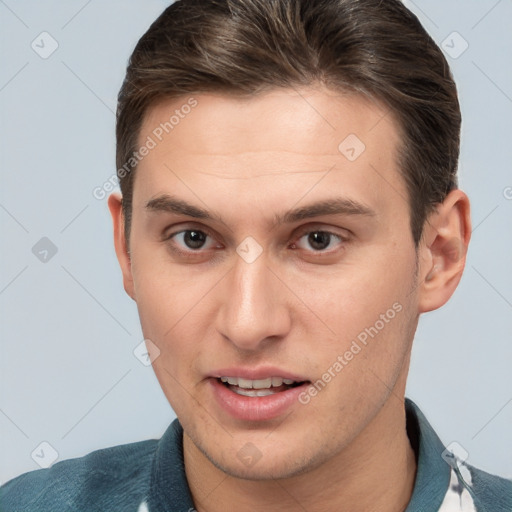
114	478
490	492
444	481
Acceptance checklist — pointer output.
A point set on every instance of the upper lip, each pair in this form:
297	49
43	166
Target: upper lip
259	373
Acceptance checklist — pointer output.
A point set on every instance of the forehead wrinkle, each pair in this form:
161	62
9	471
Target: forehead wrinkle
283	173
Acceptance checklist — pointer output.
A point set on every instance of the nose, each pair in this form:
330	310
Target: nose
254	309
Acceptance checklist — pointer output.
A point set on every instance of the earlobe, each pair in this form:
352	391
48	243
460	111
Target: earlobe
443	248
123	256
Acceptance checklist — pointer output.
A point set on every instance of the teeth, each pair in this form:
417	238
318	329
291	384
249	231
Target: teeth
244	383
254	392
277	381
263	384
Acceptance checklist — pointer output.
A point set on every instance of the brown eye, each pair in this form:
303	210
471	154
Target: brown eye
191	239
319	241
194	239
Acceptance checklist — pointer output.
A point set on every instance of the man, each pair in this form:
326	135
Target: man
289	208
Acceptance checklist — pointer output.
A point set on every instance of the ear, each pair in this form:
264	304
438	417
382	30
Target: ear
115	206
442	251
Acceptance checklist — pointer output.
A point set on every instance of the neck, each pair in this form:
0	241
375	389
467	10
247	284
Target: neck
375	472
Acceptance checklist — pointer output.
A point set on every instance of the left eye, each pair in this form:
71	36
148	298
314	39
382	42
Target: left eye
319	240
191	239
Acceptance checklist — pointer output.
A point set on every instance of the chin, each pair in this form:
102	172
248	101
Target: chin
261	471
273	465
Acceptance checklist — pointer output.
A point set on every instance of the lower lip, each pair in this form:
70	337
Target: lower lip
258	408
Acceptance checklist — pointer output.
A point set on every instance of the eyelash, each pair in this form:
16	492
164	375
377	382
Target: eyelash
190	253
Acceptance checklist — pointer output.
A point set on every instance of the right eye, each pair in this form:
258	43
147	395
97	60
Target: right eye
190	239
193	243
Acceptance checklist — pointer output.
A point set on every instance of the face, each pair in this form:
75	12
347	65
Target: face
273	266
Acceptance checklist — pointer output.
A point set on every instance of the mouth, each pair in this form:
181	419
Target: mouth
267	397
260	387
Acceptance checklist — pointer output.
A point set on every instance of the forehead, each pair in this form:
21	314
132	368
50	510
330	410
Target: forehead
279	142
232	121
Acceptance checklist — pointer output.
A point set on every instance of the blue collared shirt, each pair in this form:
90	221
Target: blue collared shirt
149	476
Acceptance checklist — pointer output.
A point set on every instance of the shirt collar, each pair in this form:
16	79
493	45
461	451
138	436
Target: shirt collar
169	487
433	473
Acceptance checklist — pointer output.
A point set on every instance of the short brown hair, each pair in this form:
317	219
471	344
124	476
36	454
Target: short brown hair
244	47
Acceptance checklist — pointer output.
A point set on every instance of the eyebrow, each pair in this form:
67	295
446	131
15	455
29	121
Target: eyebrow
334	206
166	203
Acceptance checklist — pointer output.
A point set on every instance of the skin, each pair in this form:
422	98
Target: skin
296	307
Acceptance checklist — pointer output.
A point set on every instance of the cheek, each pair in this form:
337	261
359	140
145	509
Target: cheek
166	293
170	316
354	298
367	317
176	306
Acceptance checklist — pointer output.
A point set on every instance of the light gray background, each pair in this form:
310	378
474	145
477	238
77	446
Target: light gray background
68	331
